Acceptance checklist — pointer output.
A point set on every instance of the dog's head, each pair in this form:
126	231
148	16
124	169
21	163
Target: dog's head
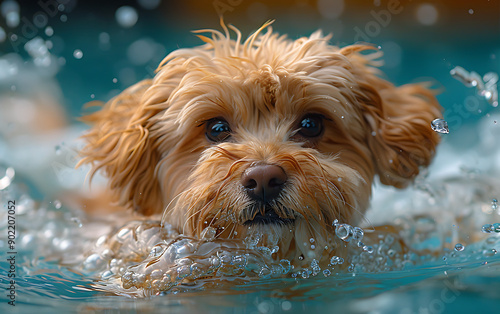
268	134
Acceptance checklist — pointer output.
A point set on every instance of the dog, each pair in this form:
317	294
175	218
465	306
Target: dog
268	135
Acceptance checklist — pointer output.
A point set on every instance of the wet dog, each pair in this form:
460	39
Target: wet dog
269	135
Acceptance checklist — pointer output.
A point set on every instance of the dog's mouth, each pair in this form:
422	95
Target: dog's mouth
269	217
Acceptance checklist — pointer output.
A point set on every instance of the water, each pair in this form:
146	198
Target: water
440	126
432	248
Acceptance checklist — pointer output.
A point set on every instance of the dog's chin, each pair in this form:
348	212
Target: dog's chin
268	218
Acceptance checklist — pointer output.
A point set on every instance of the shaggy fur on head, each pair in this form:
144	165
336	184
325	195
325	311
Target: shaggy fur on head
151	140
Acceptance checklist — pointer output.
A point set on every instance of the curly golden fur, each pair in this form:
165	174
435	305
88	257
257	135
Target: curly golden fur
150	140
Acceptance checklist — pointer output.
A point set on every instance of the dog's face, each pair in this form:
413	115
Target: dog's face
269	135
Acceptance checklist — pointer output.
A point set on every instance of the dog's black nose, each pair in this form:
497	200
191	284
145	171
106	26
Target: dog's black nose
264	182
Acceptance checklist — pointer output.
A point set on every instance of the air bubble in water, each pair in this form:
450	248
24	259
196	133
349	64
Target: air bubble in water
459	247
126	16
77	54
440	126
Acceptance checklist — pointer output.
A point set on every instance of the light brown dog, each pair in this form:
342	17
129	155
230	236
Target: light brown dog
270	135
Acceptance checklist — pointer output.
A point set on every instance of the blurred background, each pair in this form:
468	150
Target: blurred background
77	51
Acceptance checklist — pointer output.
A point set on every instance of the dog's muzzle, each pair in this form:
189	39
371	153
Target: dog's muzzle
269	217
263	183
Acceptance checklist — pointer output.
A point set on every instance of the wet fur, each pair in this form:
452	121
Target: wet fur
150	140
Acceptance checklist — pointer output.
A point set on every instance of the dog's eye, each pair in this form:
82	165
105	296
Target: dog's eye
311	126
218	130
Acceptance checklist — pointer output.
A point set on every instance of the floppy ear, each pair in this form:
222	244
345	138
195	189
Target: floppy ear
120	143
399	120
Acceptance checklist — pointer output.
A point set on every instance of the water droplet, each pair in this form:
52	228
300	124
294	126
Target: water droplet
368	248
286	305
440	126
343	231
494	204
156	251
115	80
126	16
357	233
336	260
305	273
57	204
77	54
8	175
265	272
487	228
183	271
471	11
208	233
495	227
459	247
49	31
252	240
489	252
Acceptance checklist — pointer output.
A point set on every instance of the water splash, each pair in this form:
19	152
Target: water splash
485	86
440	126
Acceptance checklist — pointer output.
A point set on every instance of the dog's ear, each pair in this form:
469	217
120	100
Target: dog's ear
120	144
398	121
